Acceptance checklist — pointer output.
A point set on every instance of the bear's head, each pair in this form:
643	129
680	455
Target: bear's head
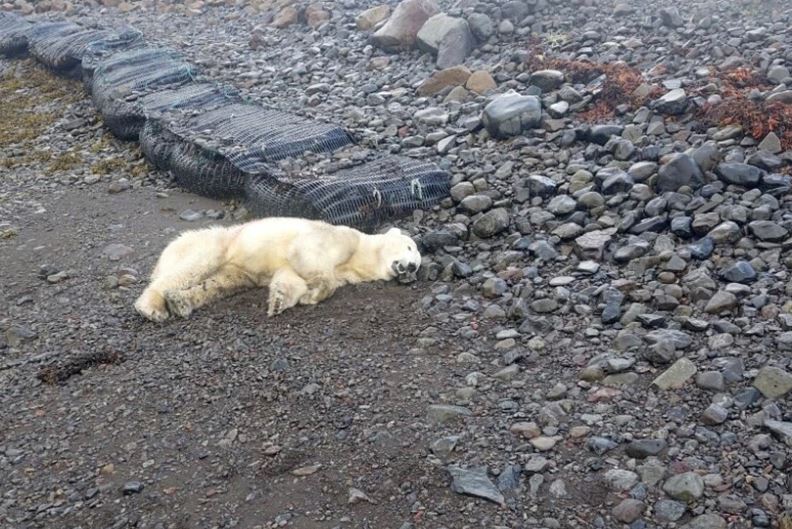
400	254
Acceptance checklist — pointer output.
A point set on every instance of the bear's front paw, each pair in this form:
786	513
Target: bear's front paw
152	307
178	304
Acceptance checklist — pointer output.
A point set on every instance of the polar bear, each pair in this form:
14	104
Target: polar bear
302	261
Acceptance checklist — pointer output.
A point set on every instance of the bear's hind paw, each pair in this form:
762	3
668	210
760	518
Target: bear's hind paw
152	307
178	304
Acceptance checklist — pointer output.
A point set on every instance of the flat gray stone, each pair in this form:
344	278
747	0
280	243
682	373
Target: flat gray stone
676	376
474	482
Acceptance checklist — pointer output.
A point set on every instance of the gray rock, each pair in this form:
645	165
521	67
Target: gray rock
783	96
476	203
773	382
541	186
725	233
600	134
721	301
475	482
739	174
561	205
782	430
628	510
669	510
481	26
444	446
190	215
619	182
510	114
670	17
680	170
711	380
714	414
491	223
687	487
766	230
132	487
621	480
435	30
644	448
443	413
547	80
778	74
673	103
401	29
116	252
447	37
706	521
739	272
676	376
600	445
771	143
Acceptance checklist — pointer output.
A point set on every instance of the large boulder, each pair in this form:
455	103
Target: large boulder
510	114
447	37
372	16
401	29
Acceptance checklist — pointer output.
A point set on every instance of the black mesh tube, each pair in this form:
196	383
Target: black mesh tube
364	196
131	75
64	53
13	35
214	153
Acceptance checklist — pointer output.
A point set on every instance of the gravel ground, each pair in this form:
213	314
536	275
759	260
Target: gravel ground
600	337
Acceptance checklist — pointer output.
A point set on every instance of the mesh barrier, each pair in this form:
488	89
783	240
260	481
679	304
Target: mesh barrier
251	137
64	53
103	51
213	153
134	74
13	30
126	118
200	170
211	141
363	196
41	32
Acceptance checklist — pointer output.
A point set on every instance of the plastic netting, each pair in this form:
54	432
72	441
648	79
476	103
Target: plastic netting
134	74
364	196
213	143
252	137
129	117
104	50
13	39
199	170
64	53
214	153
44	31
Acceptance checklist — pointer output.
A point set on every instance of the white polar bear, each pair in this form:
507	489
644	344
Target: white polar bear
302	261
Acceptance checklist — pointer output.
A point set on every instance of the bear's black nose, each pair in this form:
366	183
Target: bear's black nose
412	267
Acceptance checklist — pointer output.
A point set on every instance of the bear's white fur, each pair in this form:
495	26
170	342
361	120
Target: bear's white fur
301	261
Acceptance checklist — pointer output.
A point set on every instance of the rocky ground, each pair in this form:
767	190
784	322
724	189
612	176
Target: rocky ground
602	333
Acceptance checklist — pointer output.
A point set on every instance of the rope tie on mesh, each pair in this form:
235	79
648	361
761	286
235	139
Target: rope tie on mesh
188	68
415	185
378	197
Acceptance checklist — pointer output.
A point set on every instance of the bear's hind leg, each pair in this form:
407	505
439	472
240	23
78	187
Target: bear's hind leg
185	262
285	291
227	280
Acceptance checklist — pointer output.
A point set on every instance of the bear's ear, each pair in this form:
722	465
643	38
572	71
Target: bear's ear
393	231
